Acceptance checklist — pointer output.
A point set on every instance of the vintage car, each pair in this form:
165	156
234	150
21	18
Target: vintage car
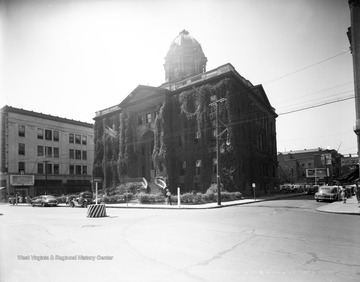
83	200
328	193
44	200
311	189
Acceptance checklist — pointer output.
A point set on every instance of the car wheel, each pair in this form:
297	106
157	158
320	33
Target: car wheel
43	204
72	204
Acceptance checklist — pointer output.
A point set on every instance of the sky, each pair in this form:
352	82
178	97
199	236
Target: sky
71	58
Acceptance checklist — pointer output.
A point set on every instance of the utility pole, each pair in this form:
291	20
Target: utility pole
46	176
354	39
216	104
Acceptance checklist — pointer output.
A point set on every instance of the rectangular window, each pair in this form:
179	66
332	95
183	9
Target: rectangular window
22	130
84	155
78	154
40	168
71	169
71	138
84	140
56	169
84	169
182	167
48	134
78	169
48	168
40	133
56	135
71	154
77	139
140	120
148	118
40	151
21	149
198	167
214	163
21	167
56	152
48	151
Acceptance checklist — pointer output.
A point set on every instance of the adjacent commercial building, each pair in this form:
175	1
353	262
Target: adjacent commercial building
171	131
44	154
309	166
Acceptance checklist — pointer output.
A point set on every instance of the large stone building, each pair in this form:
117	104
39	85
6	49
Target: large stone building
169	131
44	154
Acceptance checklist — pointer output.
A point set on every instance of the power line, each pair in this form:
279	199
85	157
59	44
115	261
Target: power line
319	105
307	67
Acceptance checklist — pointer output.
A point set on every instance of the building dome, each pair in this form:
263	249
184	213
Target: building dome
184	58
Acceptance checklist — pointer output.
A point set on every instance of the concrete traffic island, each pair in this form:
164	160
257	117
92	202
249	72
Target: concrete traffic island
96	211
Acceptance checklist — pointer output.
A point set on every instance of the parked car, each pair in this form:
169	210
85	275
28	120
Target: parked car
311	189
44	200
328	193
296	188
83	200
286	188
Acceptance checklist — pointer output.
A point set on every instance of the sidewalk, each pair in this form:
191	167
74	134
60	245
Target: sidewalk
351	207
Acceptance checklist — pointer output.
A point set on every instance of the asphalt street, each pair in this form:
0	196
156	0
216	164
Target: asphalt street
283	240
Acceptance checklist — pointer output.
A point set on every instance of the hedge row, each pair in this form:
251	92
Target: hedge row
190	198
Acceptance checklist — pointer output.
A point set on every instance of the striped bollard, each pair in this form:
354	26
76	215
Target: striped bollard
96	211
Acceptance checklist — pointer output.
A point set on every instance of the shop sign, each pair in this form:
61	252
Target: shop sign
22	180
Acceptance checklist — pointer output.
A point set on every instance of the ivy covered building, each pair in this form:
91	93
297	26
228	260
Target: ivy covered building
169	131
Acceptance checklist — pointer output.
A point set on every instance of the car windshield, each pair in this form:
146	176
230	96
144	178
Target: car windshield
325	189
49	197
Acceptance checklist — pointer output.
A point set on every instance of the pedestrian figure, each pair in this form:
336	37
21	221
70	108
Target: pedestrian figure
28	199
343	196
357	193
67	200
168	196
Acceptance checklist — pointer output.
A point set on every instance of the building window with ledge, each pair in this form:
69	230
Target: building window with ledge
71	138
56	169
49	168
48	152
40	151
40	133
84	155
84	140
48	134
21	167
71	169
78	154
40	168
56	152
56	136
148	118
84	170
22	130
21	149
198	167
77	139
71	154
140	120
78	169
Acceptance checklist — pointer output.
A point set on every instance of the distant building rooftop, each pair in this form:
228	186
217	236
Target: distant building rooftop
45	116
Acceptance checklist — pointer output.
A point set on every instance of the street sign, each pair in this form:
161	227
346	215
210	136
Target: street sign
98	179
